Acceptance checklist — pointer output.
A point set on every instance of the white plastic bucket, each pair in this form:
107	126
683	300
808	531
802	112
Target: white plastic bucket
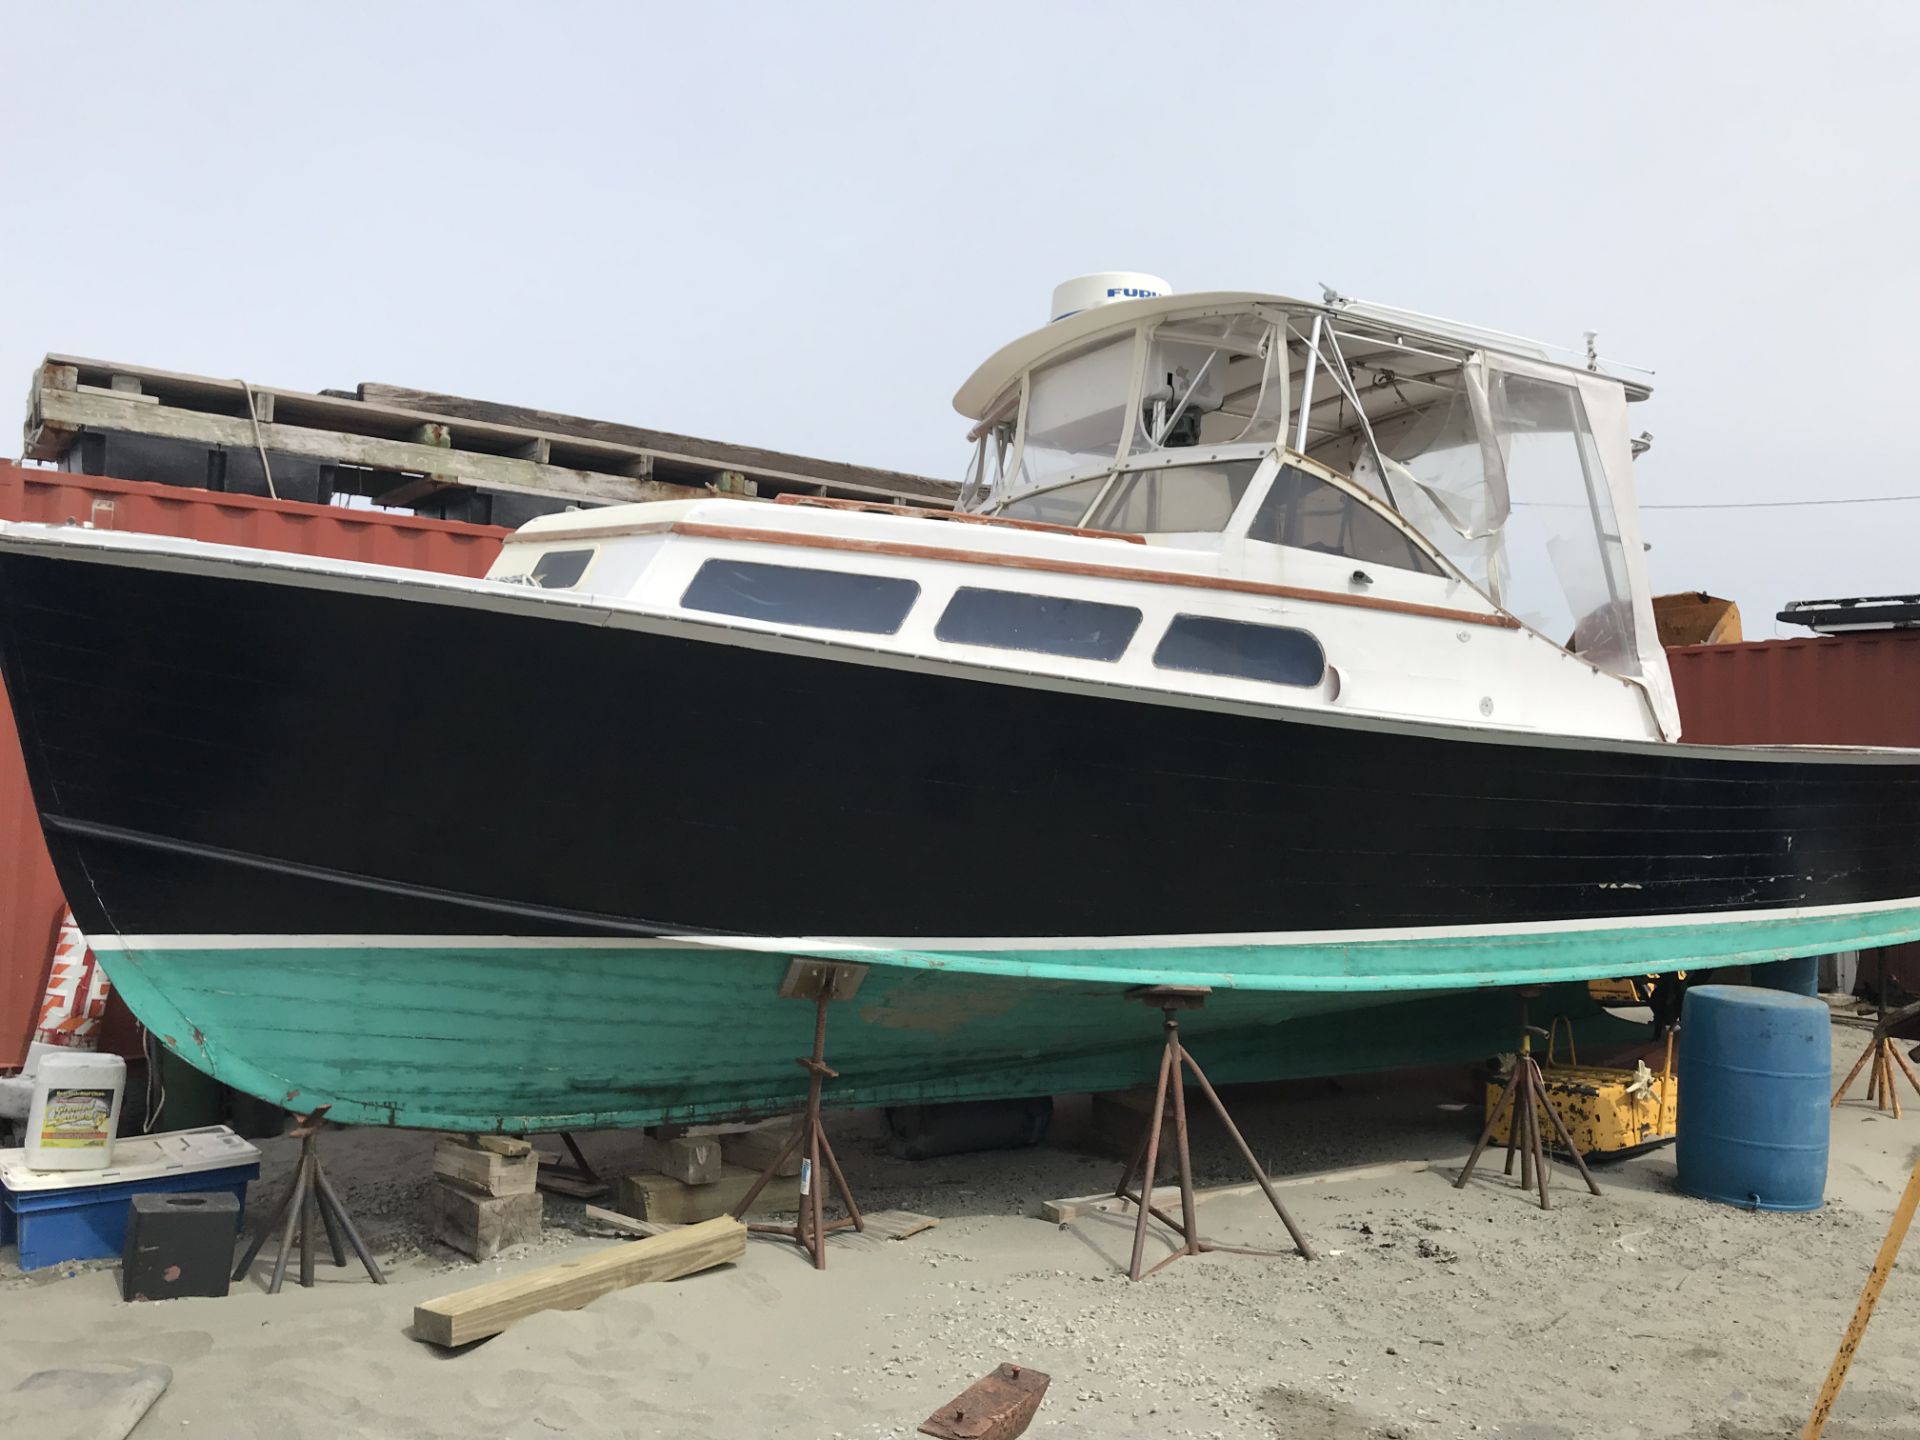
75	1111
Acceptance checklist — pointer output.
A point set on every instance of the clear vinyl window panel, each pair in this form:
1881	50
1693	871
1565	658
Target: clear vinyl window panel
560	569
789	595
1047	624
1062	506
1175	499
1569	571
1208	645
1307	513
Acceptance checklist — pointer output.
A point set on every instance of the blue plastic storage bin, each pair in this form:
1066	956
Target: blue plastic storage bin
60	1215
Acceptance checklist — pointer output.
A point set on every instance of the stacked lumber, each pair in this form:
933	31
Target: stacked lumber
484	1195
441	454
473	1314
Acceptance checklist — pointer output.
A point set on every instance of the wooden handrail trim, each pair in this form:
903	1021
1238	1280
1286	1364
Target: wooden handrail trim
1046	565
960	517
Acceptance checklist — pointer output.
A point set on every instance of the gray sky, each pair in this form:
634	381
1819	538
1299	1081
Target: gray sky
802	226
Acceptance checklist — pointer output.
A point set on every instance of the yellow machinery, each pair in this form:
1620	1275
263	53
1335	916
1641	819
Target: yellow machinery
1608	1112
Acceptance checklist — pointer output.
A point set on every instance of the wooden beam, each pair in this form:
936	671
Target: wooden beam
687	449
44	439
469	1315
114	393
69	411
626	1224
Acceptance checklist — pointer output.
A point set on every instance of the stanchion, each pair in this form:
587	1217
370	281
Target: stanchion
309	1204
1884	1054
1174	1060
1525	1096
822	983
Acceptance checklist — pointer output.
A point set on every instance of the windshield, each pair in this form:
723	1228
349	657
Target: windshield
1175	499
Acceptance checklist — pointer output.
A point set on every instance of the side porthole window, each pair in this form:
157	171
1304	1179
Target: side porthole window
1207	645
790	595
560	569
1049	624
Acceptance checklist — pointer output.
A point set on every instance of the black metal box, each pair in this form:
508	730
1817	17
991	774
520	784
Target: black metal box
179	1244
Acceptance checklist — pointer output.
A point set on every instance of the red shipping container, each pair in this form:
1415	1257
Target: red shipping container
1858	689
30	901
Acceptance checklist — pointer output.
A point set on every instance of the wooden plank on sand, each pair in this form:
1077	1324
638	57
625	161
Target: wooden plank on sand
473	1314
1166	1196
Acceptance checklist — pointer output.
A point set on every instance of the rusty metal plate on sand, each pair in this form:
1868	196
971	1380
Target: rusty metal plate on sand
995	1407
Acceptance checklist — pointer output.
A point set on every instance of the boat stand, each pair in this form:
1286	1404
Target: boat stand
309	1204
1885	1055
823	983
1175	1060
1526	1096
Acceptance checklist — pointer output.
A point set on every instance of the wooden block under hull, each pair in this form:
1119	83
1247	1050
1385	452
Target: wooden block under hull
690	1159
659	1197
483	1225
484	1170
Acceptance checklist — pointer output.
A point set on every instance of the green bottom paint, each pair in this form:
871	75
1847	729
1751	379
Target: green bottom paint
544	1035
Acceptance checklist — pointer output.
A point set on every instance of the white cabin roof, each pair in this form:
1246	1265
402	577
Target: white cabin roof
990	381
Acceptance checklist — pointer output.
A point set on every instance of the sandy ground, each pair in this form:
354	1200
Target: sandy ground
1434	1312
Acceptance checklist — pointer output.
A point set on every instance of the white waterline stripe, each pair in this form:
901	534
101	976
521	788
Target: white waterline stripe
987	943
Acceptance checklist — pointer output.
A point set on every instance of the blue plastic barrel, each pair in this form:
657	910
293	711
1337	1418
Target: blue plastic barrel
1755	1066
1796	977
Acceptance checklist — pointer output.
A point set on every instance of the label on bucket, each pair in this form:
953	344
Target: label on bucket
76	1119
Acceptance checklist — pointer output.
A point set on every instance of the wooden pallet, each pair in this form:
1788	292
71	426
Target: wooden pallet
402	447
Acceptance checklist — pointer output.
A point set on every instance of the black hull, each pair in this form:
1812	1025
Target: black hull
234	755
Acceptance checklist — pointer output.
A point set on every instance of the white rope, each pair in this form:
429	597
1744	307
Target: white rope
254	415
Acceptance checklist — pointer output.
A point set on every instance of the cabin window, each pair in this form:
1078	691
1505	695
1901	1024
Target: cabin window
1208	645
788	595
1063	506
1175	499
1082	629
559	569
1307	513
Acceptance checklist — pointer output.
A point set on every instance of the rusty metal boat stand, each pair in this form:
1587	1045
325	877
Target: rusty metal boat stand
309	1204
1526	1094
823	983
1176	1062
1885	1054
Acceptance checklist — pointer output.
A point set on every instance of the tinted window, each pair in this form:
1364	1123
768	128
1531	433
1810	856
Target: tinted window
557	569
871	604
1274	653
1084	629
1176	499
1307	513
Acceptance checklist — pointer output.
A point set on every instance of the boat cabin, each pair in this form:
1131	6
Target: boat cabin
1234	497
